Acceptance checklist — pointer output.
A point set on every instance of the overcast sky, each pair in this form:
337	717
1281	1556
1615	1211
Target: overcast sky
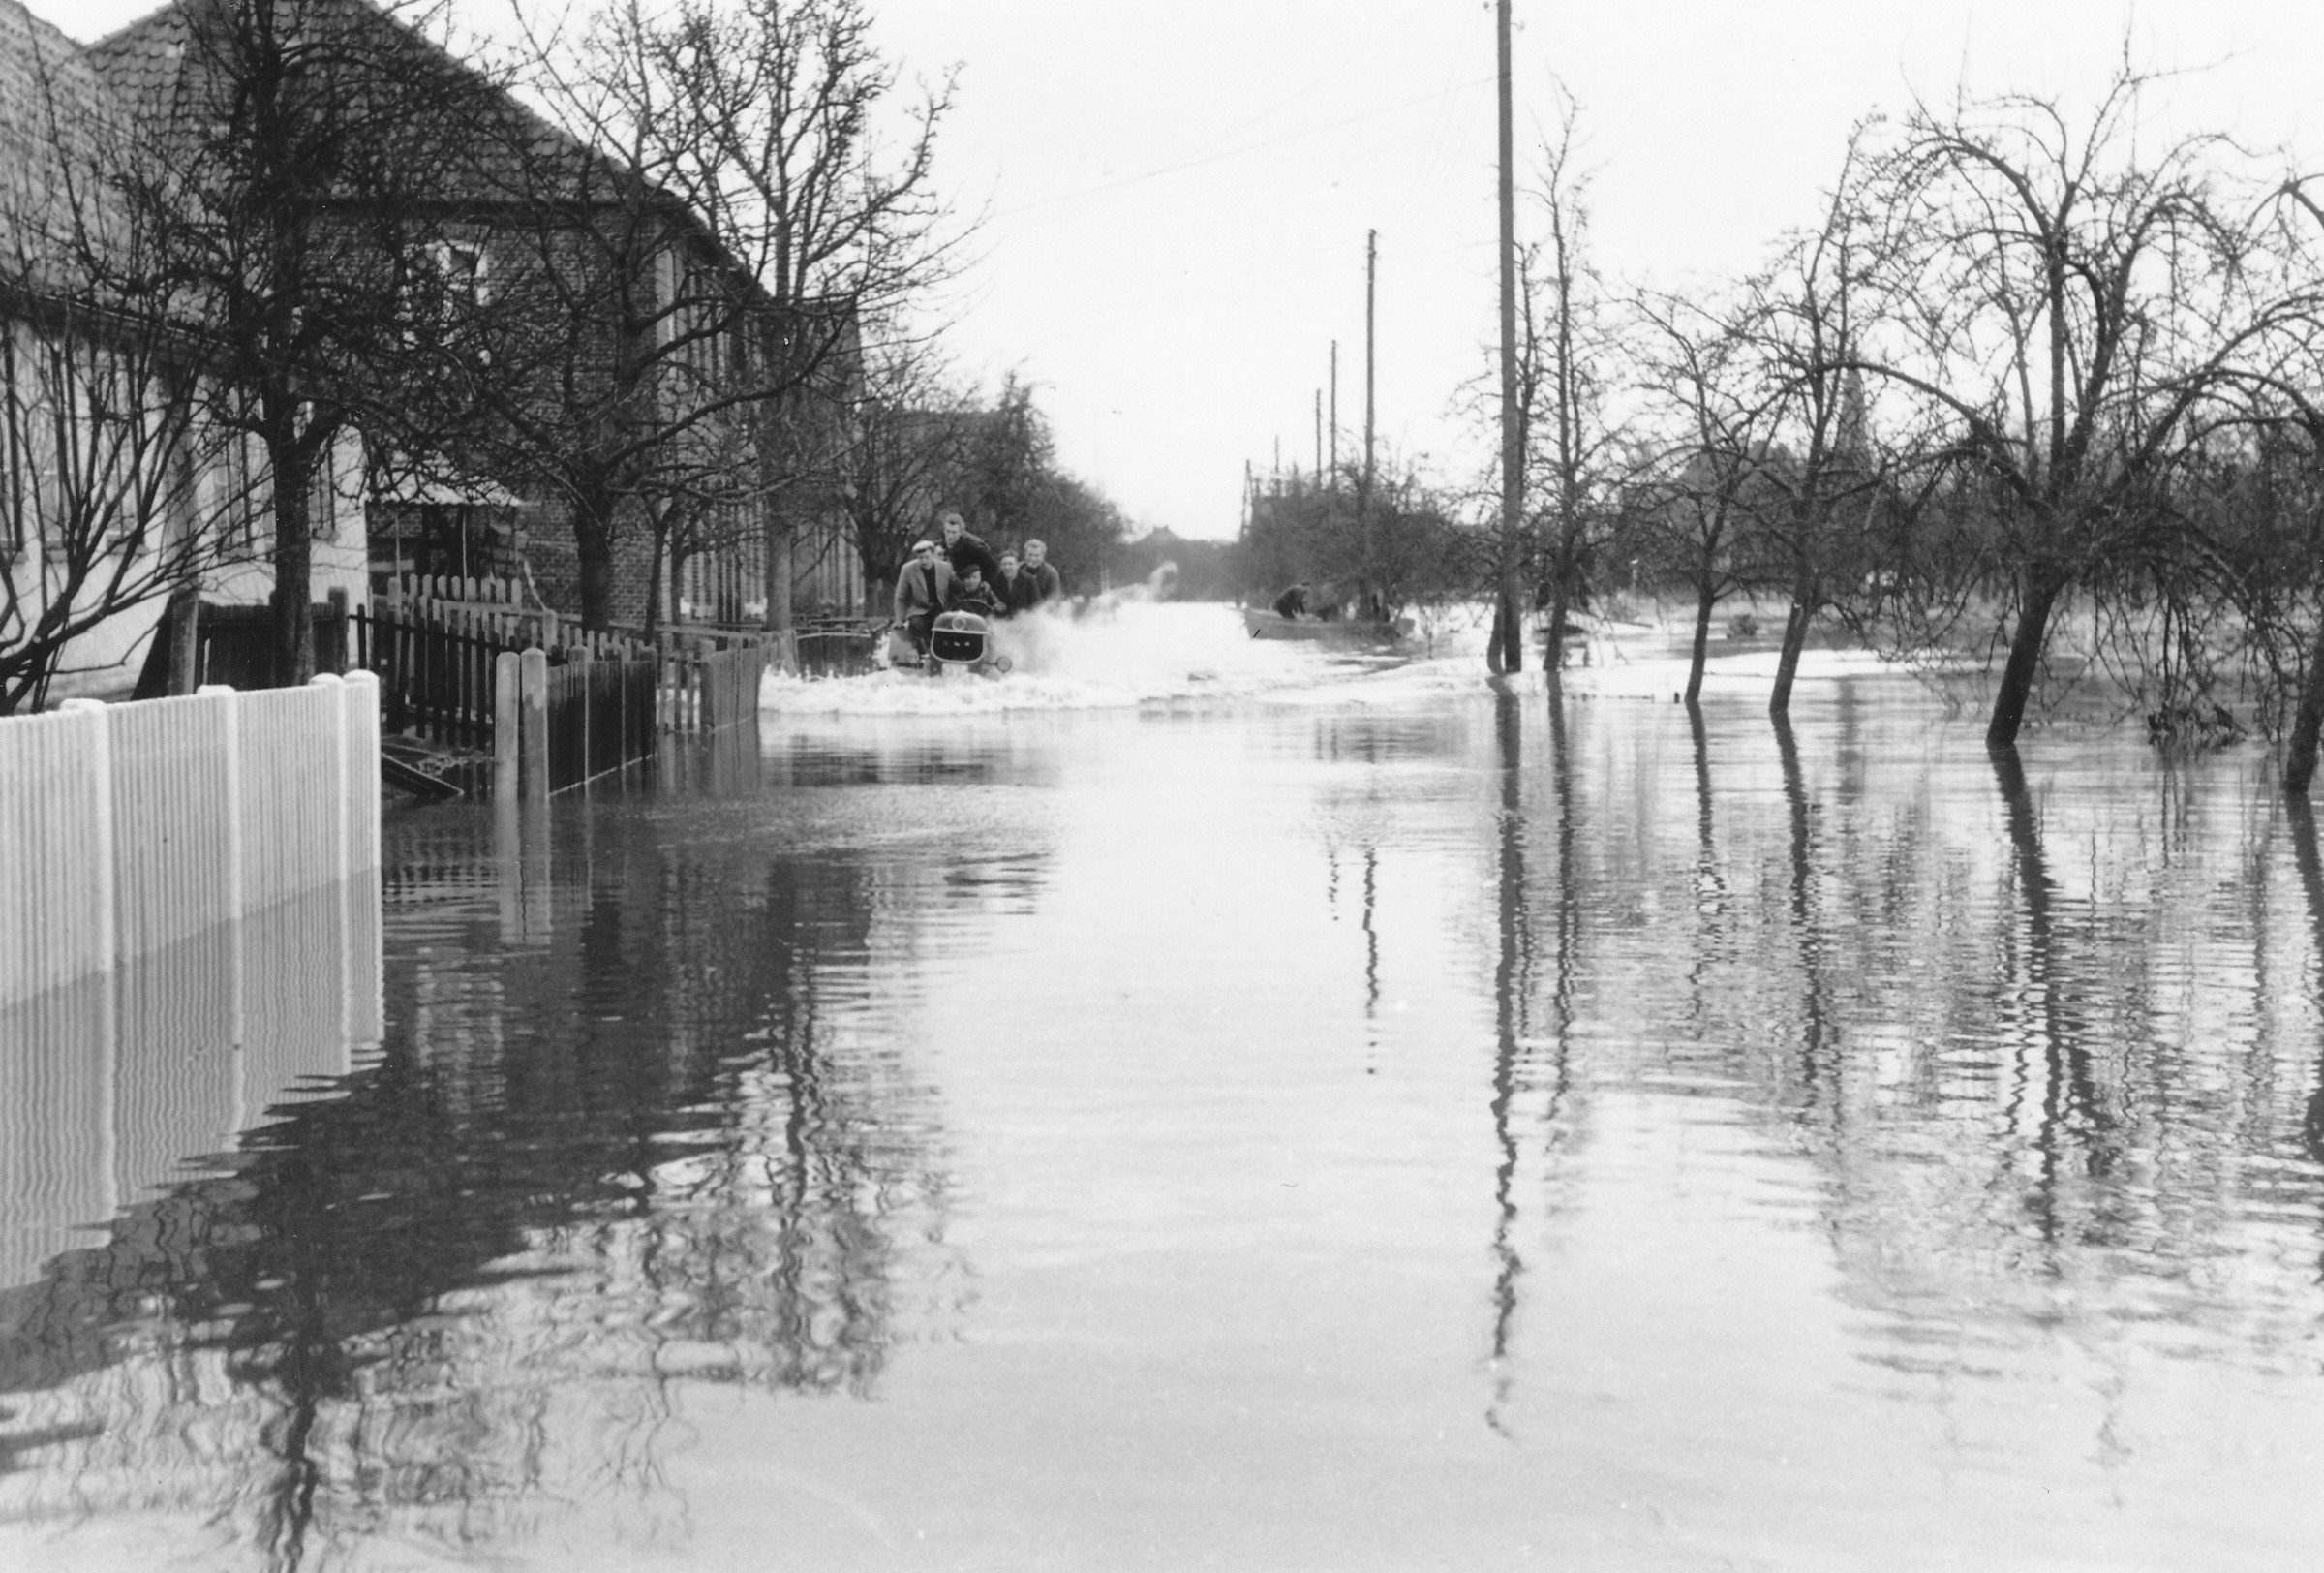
1176	194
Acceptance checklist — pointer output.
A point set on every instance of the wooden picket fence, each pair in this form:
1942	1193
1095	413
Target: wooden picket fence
602	718
442	673
707	691
436	674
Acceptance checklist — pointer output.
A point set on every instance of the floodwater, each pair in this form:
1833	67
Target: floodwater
1321	1117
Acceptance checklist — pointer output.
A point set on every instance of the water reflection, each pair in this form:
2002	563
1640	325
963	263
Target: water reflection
1359	1137
2302	820
625	1128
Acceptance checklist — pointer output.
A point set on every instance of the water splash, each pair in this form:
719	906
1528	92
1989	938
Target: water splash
1124	649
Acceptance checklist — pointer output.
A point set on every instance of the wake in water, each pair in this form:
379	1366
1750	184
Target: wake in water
1124	648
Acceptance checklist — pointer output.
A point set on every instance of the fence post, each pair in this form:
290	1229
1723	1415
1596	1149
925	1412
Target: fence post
534	664
508	682
101	852
586	658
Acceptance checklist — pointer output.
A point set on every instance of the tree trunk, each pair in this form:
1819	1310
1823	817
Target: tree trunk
1492	638
1805	601
779	572
1554	656
593	549
2299	760
2042	585
293	470
1707	601
662	537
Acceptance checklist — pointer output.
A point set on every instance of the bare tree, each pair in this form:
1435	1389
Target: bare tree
2293	384
291	154
718	225
113	489
2063	292
1819	463
910	437
1697	486
1563	338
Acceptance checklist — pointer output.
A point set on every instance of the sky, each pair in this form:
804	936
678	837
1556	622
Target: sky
1171	200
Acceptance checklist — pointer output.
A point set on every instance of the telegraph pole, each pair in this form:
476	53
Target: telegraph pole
1510	653
1364	493
1335	415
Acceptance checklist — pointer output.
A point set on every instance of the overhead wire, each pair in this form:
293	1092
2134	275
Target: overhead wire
1237	152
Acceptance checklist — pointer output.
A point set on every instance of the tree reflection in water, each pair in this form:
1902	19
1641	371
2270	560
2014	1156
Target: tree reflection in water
621	1135
2030	1075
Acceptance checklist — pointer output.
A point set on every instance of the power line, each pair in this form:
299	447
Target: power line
1237	152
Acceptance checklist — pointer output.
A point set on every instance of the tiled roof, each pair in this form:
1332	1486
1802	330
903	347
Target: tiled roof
53	112
158	62
140	61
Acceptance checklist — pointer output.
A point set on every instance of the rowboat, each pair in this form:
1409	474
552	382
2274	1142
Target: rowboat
1262	624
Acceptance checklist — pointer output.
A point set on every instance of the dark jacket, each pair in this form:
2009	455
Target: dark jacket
959	598
1017	594
969	549
1047	586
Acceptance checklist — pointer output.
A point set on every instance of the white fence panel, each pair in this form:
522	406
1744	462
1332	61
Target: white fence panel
55	900
172	795
293	769
188	930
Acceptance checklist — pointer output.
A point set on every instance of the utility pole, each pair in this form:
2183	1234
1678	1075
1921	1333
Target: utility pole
1509	653
1364	493
1335	415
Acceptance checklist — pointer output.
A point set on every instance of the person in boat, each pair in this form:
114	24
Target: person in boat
1292	605
1047	585
1014	589
960	549
920	592
970	594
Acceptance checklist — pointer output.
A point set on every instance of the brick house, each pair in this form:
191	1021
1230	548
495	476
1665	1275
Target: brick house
606	306
190	496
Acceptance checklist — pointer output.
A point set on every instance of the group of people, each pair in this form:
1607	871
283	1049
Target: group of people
961	573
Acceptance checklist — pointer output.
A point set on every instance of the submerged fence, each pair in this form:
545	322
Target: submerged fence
189	926
129	828
454	677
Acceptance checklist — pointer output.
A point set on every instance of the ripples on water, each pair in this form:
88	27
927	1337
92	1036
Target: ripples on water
1259	1114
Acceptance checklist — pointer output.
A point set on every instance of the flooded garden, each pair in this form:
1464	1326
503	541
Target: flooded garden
1198	1103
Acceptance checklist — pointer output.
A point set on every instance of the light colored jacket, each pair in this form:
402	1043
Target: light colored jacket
921	588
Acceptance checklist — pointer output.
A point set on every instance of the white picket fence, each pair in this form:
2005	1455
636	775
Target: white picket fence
188	930
127	828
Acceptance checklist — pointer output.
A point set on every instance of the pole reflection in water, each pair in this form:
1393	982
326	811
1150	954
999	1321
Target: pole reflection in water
1376	1128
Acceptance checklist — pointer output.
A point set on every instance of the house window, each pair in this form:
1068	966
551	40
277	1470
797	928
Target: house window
449	283
460	270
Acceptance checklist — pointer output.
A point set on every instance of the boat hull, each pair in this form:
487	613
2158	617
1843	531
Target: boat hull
1267	624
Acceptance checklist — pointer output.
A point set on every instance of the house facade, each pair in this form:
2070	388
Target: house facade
620	439
114	492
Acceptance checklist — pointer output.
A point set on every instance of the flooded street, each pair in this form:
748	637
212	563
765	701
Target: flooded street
1317	1118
